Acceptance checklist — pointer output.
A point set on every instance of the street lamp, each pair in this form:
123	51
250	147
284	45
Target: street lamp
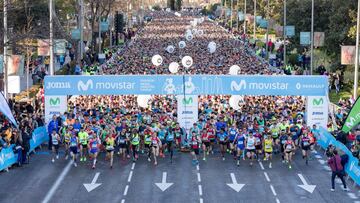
312	38
5	51
356	78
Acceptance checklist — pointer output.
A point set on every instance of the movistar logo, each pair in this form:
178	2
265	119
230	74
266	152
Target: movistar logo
317	102
237	87
54	101
187	101
351	121
85	86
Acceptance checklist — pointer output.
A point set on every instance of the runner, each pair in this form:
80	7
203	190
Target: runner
147	142
205	143
110	143
283	139
305	145
250	143
93	145
179	132
169	142
161	136
231	138
289	147
210	130
55	140
74	143
67	137
222	138
135	141
258	145
240	146
83	139
122	140
268	148
155	146
194	143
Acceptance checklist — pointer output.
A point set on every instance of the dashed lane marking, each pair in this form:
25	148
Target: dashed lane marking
130	176
200	190
267	177
261	166
126	190
198	177
273	190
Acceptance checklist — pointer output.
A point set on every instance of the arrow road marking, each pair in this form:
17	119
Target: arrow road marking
234	185
164	185
91	186
305	185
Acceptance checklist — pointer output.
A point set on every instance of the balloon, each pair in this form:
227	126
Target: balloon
212	47
170	49
189	37
182	44
156	60
188	32
200	32
234	70
235	100
143	100
187	61
173	67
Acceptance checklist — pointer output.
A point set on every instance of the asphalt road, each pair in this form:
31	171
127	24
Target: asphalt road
128	182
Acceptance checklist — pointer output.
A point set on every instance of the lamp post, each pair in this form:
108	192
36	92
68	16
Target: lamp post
284	30
254	19
312	38
245	17
5	50
267	29
356	72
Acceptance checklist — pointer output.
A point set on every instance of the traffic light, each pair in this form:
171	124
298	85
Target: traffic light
119	22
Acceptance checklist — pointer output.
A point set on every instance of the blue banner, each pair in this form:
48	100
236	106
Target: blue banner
75	34
1	63
39	136
104	26
305	38
263	23
290	31
324	139
7	157
194	85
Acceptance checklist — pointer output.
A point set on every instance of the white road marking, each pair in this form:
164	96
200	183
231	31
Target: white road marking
357	202
277	200
261	166
133	166
267	177
130	176
200	190
201	200
198	177
123	201
57	182
351	195
273	190
197	167
126	190
321	161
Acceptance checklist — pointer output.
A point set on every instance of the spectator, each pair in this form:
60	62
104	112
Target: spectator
337	170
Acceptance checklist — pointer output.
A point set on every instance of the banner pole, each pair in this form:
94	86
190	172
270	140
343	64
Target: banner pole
356	72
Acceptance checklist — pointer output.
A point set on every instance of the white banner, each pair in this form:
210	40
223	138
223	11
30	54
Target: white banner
187	110
317	111
54	105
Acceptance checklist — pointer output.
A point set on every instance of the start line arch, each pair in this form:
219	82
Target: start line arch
315	88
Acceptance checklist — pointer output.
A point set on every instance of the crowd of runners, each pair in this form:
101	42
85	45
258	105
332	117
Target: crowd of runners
260	128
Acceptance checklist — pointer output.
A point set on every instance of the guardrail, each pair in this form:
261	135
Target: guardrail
352	168
7	155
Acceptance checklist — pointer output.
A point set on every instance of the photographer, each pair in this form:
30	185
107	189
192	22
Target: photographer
337	170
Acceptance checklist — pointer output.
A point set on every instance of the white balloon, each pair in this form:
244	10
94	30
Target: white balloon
235	101
200	32
189	37
187	61
194	31
173	67
156	60
182	44
212	47
170	49
188	32
143	100
234	70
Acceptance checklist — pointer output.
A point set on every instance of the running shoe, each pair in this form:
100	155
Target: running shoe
270	166
93	167
75	164
53	160
84	158
57	156
81	159
149	159
223	158
346	189
204	159
238	163
66	157
289	166
332	190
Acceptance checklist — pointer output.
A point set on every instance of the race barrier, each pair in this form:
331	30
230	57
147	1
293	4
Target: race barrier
7	155
352	168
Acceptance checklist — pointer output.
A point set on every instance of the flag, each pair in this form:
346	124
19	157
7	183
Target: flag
5	109
353	117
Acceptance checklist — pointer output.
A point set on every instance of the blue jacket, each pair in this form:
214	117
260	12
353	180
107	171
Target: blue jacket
53	125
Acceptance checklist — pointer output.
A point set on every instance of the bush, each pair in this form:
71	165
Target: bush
156	7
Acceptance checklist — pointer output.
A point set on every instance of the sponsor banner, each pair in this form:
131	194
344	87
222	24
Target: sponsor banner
290	31
4	109
263	23
39	136
347	55
15	65
43	47
317	111
55	105
324	139
305	38
60	46
187	110
75	34
319	38
104	26
7	157
353	117
191	84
